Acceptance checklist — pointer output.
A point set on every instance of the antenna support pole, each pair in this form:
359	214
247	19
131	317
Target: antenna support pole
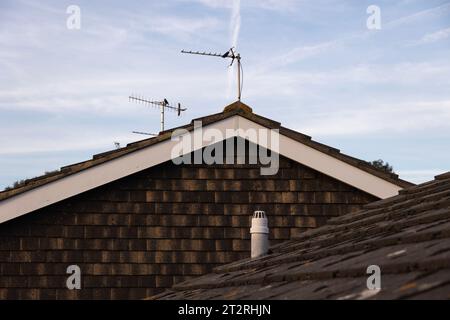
238	57
162	107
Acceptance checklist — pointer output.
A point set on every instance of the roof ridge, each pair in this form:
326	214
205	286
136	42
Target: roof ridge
236	108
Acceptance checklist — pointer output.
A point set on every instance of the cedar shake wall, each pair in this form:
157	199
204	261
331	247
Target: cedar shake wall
136	236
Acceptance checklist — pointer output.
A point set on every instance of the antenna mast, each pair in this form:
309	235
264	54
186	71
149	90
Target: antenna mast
164	104
229	54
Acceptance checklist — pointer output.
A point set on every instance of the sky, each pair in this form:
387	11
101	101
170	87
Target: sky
314	66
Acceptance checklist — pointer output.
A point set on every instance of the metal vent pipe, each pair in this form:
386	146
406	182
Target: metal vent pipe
259	234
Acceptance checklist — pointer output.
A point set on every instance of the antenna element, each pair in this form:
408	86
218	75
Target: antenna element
145	133
164	104
229	54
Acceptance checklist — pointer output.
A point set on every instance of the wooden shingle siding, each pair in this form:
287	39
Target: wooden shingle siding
134	237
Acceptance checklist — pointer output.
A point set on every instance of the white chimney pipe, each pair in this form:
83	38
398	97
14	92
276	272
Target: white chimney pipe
260	234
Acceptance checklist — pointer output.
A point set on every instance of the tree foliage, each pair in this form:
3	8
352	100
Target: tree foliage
22	182
381	165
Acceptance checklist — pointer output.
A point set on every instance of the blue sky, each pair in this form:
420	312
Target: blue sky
312	65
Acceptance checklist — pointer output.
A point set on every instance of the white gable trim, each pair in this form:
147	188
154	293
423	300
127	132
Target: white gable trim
329	165
150	156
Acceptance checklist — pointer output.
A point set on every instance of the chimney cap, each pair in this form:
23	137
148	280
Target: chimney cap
259	214
259	223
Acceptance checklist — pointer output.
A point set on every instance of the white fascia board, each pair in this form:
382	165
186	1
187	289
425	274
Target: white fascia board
329	165
153	155
96	176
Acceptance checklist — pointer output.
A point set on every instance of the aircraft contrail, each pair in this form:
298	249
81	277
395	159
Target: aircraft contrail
235	27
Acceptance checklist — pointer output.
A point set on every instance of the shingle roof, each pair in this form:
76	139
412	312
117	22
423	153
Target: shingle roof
407	236
236	108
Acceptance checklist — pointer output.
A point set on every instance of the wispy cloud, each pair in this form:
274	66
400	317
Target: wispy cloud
382	118
294	55
304	52
430	13
294	83
433	37
102	94
178	27
272	5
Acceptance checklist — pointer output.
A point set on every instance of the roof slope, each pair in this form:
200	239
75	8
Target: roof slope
236	108
407	236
